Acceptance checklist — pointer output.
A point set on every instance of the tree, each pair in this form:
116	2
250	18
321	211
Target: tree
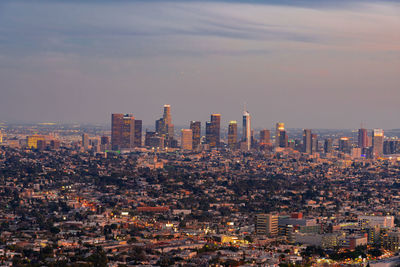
98	258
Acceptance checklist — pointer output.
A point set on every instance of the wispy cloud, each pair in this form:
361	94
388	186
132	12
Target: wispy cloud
153	26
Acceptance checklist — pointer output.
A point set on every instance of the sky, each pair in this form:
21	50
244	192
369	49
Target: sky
310	64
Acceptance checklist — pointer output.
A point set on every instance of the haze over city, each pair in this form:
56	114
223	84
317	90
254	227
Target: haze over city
199	133
311	64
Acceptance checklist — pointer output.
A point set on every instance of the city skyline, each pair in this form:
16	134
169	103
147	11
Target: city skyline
199	133
126	135
331	64
159	125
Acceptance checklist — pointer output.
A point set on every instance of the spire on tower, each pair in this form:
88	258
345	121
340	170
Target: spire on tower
245	109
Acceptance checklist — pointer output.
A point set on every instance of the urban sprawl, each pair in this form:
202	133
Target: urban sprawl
216	196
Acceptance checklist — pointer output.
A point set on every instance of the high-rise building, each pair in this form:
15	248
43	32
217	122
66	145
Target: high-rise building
391	146
272	224
260	224
159	126
122	131
167	115
55	144
246	136
195	126
266	224
362	138
356	152
254	142
395	147
328	148
386	147
187	139
32	140
307	141
169	127
344	145
283	139
1	137
314	141
213	131
105	140
298	145
105	143
208	132
232	135
128	132
377	142
147	138
85	141
280	126
265	137
116	130
156	142
164	126
138	133
41	145
216	125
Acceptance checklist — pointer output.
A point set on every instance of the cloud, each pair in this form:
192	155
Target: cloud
152	27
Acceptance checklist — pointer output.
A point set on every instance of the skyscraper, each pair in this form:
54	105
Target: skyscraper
32	140
105	140
377	142
216	125
128	132
307	141
148	137
328	145
85	141
213	131
1	137
169	127
314	141
246	136
283	139
138	133
344	145
55	144
280	126
186	139
208	132
362	138
41	145
164	126
159	126
116	130
298	145
232	135
105	143
265	137
391	146
122	131
195	126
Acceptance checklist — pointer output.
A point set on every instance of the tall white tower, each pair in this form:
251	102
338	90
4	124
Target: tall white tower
246	129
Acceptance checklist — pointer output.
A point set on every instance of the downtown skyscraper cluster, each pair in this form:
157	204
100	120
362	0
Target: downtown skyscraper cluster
126	134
